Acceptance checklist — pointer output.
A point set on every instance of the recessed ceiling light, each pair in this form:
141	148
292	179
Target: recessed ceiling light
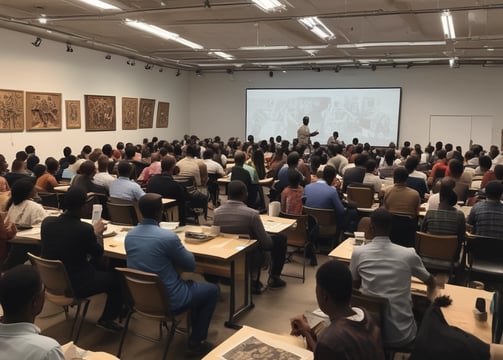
100	4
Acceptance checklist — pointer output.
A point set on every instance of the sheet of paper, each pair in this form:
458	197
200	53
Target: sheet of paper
254	348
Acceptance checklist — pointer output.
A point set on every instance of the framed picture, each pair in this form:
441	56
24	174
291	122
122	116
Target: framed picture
129	113
11	110
162	115
146	113
100	113
72	109
43	111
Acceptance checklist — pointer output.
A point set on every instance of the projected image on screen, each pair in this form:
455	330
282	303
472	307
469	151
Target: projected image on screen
371	115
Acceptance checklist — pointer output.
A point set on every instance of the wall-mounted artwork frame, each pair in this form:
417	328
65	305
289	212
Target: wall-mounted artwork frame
147	107
72	111
11	110
129	113
43	111
100	112
162	115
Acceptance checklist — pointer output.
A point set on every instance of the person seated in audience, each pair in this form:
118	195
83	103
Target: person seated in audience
246	174
124	188
400	199
164	185
21	209
414	182
455	172
486	217
154	168
212	166
7	231
18	171
337	160
292	162
4	194
103	177
47	181
352	333
190	165
234	217
485	164
84	179
388	165
153	249
22	298
384	269
447	220
4	167
291	196
79	246
371	178
322	195
355	174
439	169
491	175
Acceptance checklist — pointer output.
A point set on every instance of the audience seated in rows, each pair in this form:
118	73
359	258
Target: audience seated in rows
486	216
400	199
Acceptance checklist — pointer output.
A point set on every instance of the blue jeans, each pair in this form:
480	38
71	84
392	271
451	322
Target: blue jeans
202	305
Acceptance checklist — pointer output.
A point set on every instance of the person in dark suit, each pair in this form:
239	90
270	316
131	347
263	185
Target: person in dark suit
164	185
72	241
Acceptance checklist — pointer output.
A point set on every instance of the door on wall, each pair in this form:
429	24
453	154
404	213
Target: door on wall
461	129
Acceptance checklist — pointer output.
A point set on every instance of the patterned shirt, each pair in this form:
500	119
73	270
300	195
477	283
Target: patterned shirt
487	219
445	222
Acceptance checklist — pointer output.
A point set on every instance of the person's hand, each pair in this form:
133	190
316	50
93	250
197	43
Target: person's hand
299	326
316	132
99	227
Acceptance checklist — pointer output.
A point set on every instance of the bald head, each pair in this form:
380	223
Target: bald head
150	206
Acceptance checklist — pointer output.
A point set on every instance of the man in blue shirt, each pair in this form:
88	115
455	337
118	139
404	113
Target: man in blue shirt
123	187
153	249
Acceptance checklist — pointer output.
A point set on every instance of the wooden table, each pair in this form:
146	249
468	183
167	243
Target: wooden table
72	351
463	298
286	342
262	182
276	224
61	188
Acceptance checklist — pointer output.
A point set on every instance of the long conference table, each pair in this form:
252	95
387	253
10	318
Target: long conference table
225	256
459	313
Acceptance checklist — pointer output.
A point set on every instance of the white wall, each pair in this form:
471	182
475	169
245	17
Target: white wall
49	68
217	101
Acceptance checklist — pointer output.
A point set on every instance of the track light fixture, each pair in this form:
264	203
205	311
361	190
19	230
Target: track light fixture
374	67
177	73
69	47
131	62
161	69
37	42
108	56
337	69
271	74
207	4
148	66
199	73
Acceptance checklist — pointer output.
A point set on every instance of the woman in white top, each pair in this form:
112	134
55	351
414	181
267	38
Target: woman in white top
21	209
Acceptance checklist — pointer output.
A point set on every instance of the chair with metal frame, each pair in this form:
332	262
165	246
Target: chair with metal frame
148	298
59	291
327	222
298	238
403	230
438	252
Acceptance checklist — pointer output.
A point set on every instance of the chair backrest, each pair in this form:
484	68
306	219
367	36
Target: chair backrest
58	287
327	222
296	235
362	195
87	209
484	248
122	213
147	293
189	182
375	306
443	247
403	230
49	199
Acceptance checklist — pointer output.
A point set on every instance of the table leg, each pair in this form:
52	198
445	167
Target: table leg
241	299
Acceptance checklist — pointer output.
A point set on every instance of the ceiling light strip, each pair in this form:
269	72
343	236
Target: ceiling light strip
265	48
269	5
100	4
316	26
391	44
164	34
447	24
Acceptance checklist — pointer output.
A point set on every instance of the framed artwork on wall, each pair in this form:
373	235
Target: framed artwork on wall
43	111
147	107
72	109
162	115
129	113
100	112
11	110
